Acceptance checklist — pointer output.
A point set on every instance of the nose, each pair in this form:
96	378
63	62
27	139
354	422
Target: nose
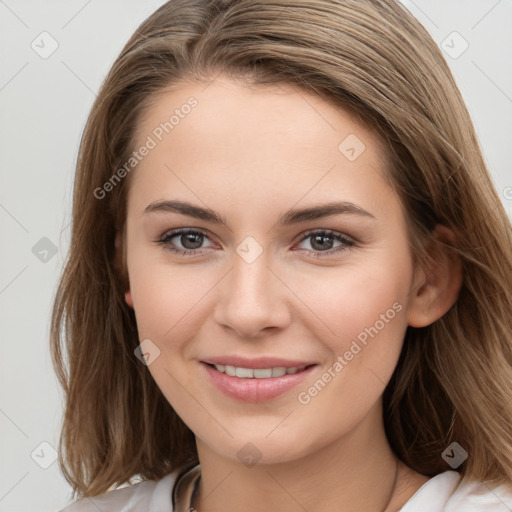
252	299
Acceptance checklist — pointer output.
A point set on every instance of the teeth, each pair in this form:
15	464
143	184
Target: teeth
244	373
263	373
279	371
256	373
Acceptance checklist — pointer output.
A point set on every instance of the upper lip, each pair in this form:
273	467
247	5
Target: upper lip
256	362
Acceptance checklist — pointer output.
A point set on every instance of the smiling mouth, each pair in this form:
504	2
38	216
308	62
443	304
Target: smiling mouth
258	373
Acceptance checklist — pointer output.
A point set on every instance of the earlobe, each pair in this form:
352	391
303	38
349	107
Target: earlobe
128	298
439	285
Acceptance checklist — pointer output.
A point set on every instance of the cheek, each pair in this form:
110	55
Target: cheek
165	297
345	302
365	310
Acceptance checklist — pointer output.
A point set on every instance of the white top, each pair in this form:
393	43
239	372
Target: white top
164	496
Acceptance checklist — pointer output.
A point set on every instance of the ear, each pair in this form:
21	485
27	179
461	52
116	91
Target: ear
437	288
121	266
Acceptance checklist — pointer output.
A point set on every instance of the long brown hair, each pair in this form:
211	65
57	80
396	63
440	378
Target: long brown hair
453	381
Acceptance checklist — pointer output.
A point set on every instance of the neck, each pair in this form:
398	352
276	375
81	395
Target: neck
357	471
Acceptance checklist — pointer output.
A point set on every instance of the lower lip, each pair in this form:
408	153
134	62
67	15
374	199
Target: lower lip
255	390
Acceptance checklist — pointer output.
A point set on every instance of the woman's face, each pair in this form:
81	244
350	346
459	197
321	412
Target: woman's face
273	281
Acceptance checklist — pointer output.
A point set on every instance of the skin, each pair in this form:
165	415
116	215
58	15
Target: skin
250	154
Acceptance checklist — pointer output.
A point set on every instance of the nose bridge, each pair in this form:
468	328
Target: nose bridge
251	279
250	300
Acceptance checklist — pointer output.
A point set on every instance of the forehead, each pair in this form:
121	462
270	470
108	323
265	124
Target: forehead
226	135
225	103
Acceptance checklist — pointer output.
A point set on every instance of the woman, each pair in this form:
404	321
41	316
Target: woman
289	279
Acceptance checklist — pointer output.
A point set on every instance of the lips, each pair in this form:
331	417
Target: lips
258	379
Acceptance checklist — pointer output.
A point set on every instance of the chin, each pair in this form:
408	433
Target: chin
260	447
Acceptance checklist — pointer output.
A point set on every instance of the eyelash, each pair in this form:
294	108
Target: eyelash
346	241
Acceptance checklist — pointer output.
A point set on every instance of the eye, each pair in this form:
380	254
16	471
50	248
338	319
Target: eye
191	240
322	242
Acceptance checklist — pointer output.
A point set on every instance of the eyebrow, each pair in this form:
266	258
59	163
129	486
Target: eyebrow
288	218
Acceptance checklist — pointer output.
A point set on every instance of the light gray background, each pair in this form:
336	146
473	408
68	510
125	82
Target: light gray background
44	104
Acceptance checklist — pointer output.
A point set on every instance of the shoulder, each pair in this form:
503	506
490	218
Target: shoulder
437	495
149	495
479	496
